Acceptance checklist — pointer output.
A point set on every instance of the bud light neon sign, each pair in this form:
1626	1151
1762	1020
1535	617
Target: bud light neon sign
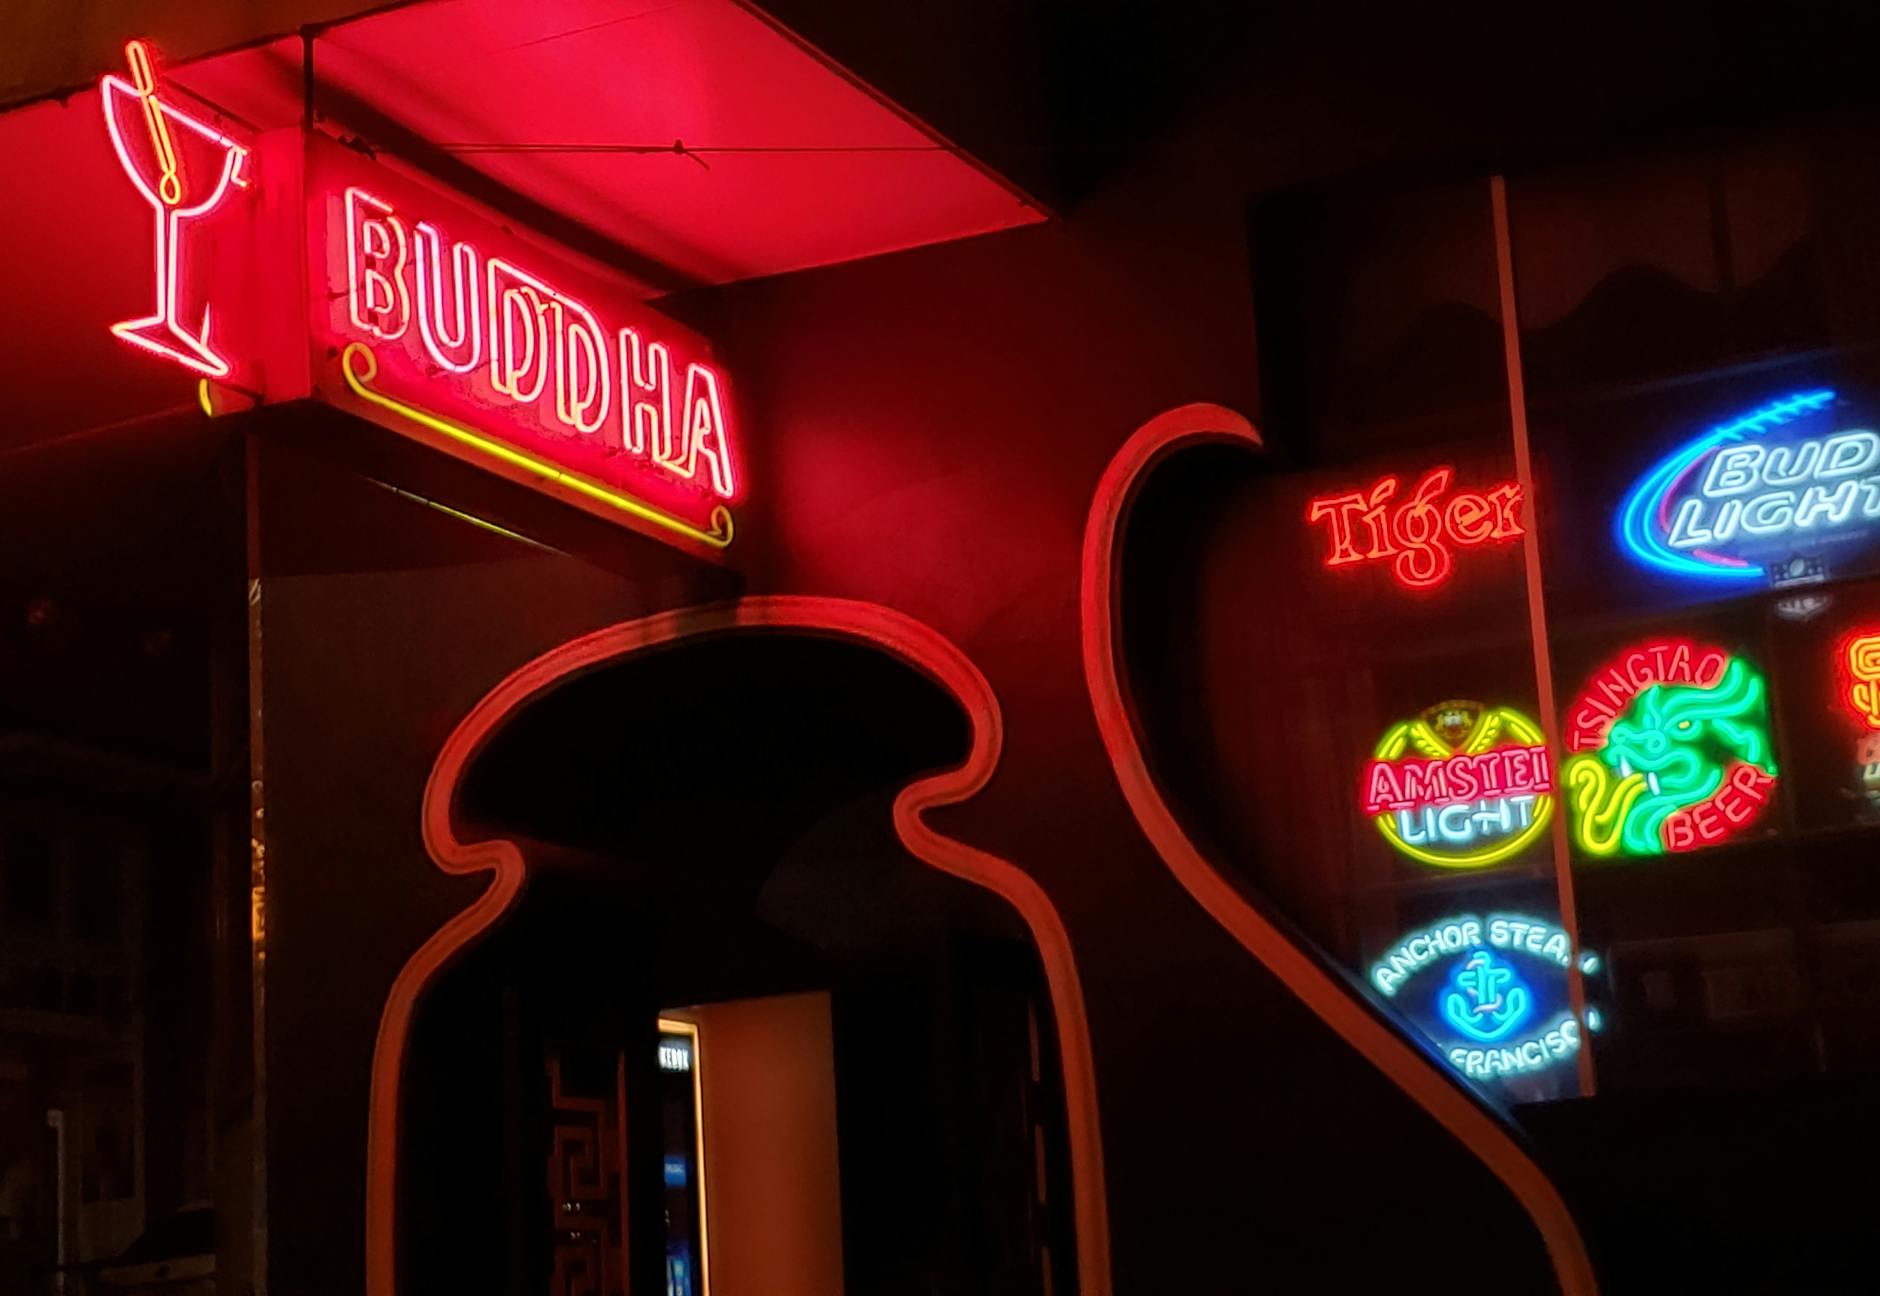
1780	482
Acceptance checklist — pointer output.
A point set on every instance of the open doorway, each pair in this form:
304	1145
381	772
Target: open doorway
710	842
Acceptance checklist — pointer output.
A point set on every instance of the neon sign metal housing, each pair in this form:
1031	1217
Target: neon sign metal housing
1461	786
1670	751
1750	499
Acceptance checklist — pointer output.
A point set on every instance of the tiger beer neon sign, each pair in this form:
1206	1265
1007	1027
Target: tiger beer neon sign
480	347
1416	532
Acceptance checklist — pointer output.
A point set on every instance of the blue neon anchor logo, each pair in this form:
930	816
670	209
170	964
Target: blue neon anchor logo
1487	1000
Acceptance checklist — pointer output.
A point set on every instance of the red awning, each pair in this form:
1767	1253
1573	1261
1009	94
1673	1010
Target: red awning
685	143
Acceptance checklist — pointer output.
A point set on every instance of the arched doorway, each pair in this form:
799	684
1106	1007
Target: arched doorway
718	811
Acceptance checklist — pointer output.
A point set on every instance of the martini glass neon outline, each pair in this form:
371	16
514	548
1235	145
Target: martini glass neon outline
162	333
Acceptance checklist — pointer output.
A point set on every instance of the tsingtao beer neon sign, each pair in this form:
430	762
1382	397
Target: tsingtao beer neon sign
1461	786
1671	751
1418	532
1779	483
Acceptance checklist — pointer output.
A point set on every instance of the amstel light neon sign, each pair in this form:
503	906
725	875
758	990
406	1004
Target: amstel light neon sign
428	317
1860	673
1781	483
1670	751
1461	786
1500	1007
184	167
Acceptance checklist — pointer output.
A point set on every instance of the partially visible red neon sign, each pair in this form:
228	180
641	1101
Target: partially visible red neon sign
1860	668
1417	536
183	167
1723	814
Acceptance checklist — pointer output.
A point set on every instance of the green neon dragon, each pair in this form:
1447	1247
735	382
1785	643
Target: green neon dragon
1672	747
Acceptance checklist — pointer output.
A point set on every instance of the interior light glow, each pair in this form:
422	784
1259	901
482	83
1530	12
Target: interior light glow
183	167
1754	494
1417	536
1461	786
695	1064
1672	751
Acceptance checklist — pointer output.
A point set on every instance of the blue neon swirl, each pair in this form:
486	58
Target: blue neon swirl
1633	525
1487	1000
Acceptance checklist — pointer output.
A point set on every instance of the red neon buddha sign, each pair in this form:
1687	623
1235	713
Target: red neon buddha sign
1416	532
435	311
424	315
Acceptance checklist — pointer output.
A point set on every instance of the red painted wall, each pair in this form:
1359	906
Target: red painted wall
934	424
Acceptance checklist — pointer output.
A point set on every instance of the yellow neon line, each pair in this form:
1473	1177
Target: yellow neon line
202	397
690	1029
170	185
719	537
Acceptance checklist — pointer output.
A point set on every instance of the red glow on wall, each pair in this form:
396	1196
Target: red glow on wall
1859	655
1659	661
184	168
1419	535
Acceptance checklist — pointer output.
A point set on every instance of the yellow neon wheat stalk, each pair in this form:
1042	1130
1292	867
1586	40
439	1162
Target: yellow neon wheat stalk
358	353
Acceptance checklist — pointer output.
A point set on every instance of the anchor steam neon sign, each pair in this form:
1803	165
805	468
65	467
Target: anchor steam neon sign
1501	1009
1670	751
1461	786
1779	483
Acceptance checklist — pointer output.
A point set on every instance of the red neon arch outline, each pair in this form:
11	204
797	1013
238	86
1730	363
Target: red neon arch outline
1403	1065
903	638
